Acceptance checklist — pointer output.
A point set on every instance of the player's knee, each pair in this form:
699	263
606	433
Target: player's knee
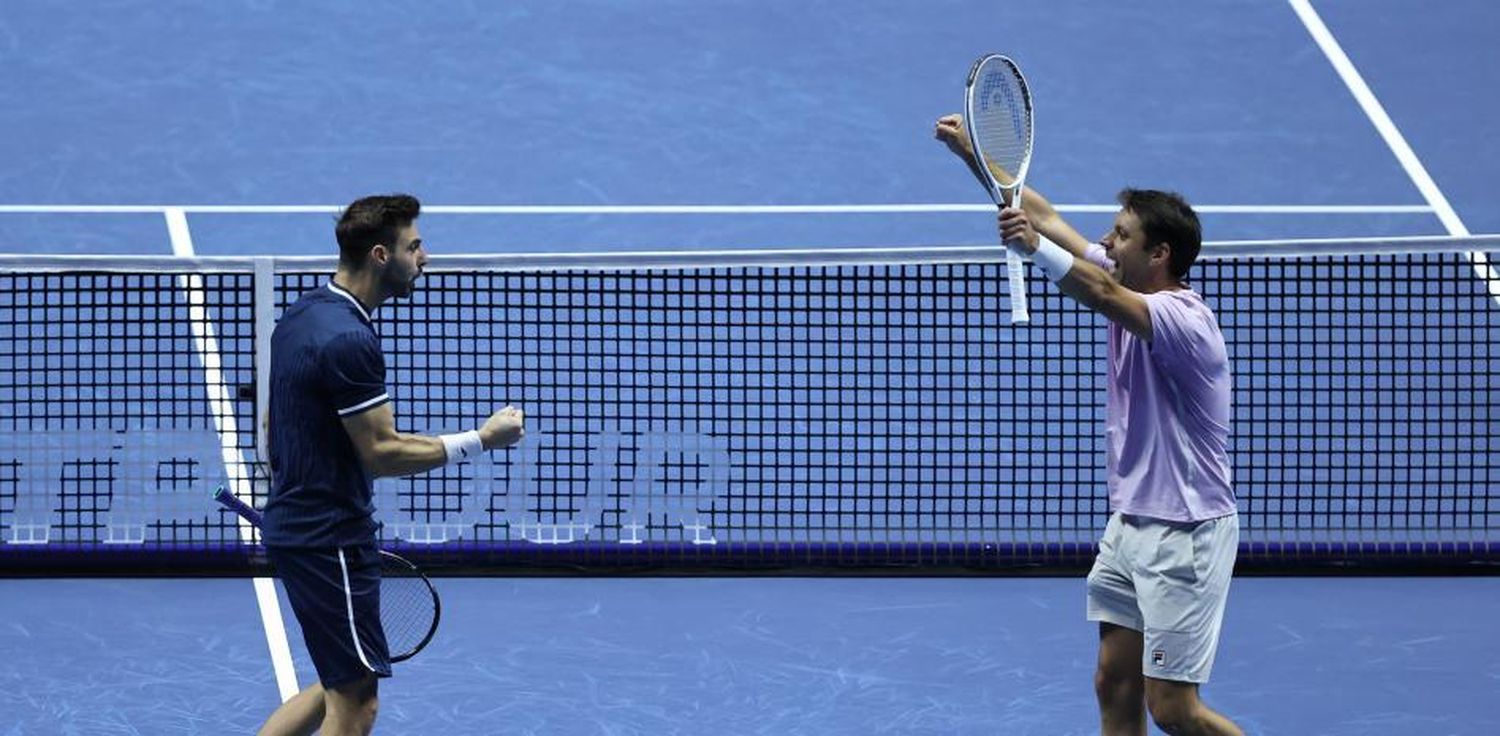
1104	684
363	713
1118	674
1171	713
351	708
367	713
355	720
1113	685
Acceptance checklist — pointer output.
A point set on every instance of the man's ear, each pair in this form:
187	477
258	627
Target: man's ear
380	254
1163	251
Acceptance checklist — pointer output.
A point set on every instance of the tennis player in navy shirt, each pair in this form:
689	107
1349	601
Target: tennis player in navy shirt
332	433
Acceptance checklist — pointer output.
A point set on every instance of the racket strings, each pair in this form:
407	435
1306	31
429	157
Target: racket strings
1001	123
407	608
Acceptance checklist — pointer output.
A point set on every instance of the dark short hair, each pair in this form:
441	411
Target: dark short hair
371	221
1167	218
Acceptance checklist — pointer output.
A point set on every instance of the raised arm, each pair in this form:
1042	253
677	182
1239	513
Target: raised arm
1047	221
1043	216
1086	282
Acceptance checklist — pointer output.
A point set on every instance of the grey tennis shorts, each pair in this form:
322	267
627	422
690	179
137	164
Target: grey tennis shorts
1169	581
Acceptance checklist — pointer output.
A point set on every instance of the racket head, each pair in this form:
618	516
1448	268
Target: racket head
999	116
409	606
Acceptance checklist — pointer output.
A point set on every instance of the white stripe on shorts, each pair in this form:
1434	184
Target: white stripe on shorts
349	607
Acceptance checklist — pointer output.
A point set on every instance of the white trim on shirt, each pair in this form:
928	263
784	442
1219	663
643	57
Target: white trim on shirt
341	291
361	406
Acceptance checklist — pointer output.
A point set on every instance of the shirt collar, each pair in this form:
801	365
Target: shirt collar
341	291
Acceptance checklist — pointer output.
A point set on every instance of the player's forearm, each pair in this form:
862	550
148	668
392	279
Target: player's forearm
1038	209
406	454
1085	282
1091	285
1050	223
1043	216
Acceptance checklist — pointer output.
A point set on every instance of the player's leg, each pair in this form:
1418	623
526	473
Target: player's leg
1177	709
1183	592
295	569
335	594
1118	684
351	707
296	717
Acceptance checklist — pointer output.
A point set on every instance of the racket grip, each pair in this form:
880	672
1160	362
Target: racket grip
1017	274
230	501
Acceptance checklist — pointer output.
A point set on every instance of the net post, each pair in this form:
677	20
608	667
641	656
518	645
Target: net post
265	321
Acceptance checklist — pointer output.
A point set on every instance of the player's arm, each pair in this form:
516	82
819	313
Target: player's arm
1091	285
386	452
1047	221
1044	217
354	371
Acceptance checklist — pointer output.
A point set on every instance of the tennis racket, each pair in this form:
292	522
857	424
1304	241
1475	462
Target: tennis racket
998	112
409	605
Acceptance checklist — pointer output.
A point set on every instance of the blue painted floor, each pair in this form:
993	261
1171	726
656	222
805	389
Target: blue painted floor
1366	656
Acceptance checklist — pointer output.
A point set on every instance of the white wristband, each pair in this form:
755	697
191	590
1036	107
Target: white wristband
1052	258
462	446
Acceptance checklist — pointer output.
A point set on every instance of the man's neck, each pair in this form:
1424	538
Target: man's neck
363	284
1164	283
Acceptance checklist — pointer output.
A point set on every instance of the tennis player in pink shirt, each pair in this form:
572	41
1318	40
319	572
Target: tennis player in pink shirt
1161	579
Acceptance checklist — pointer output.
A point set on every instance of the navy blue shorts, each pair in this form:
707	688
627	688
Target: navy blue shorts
335	593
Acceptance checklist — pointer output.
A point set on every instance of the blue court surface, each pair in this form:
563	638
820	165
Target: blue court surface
670	125
756	656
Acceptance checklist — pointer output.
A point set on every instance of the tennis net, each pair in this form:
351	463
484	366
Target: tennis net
855	408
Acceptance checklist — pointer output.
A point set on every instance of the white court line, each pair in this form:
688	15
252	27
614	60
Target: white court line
1393	138
705	209
206	345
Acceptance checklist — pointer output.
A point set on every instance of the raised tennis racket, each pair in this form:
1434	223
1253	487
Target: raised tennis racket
409	604
998	114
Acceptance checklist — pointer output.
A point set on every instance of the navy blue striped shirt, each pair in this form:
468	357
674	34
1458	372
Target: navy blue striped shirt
325	365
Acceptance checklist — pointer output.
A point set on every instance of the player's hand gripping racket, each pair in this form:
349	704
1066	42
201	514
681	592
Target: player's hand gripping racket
409	604
998	111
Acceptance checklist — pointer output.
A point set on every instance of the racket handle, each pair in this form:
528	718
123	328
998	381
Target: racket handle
1017	273
230	501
